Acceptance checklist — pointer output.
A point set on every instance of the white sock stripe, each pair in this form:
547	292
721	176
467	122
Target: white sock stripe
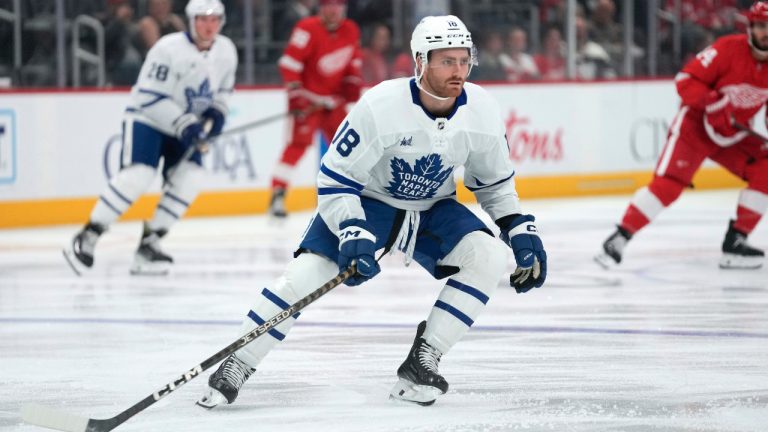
283	172
648	203
754	200
669	148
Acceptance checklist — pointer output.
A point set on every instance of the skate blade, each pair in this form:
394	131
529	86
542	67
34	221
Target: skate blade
212	399
605	261
79	268
737	262
407	391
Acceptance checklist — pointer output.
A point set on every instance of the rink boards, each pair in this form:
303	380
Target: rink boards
58	149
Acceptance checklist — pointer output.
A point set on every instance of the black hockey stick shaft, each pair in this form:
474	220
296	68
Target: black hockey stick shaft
749	130
65	422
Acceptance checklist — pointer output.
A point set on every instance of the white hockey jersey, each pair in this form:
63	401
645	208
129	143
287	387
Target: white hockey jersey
391	149
177	82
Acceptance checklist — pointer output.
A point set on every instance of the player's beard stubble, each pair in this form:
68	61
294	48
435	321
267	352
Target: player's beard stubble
760	43
450	87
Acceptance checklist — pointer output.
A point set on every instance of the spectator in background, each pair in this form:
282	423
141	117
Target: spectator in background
605	31
376	55
592	60
518	64
40	69
424	8
402	65
701	21
714	15
553	12
551	61
367	13
159	22
295	11
491	64
123	60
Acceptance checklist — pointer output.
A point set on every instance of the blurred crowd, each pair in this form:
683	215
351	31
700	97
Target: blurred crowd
505	51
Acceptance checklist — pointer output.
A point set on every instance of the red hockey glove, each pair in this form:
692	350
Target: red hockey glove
351	89
298	103
719	114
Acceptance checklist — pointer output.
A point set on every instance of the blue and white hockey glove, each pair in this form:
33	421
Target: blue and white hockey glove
358	243
520	234
191	134
216	118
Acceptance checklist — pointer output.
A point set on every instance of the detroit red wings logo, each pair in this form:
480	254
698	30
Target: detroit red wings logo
335	61
745	96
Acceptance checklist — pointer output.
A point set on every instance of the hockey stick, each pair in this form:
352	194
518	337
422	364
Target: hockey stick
203	145
750	131
51	418
253	124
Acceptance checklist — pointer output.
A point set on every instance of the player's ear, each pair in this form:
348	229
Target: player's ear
420	63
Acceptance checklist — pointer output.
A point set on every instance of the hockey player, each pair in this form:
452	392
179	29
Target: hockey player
723	87
321	68
184	84
388	180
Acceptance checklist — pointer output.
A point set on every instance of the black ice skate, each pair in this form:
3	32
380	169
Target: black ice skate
225	383
737	254
277	203
79	254
420	382
613	247
149	258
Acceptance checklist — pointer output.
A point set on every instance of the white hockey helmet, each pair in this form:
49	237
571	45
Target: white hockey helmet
438	32
197	8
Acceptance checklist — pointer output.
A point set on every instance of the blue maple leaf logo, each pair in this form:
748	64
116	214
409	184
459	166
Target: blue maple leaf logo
420	181
199	100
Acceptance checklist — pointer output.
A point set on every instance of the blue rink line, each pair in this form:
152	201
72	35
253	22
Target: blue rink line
500	329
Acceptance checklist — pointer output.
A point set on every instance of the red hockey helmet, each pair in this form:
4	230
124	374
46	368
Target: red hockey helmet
758	12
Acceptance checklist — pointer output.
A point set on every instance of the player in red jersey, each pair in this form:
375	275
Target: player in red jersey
722	88
321	68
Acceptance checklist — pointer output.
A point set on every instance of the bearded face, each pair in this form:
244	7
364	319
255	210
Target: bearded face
758	35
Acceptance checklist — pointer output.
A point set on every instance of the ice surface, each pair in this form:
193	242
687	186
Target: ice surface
666	342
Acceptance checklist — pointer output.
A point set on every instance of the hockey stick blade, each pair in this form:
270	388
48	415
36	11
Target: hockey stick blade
53	419
43	416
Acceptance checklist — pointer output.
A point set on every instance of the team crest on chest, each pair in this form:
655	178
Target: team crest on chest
198	100
420	181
